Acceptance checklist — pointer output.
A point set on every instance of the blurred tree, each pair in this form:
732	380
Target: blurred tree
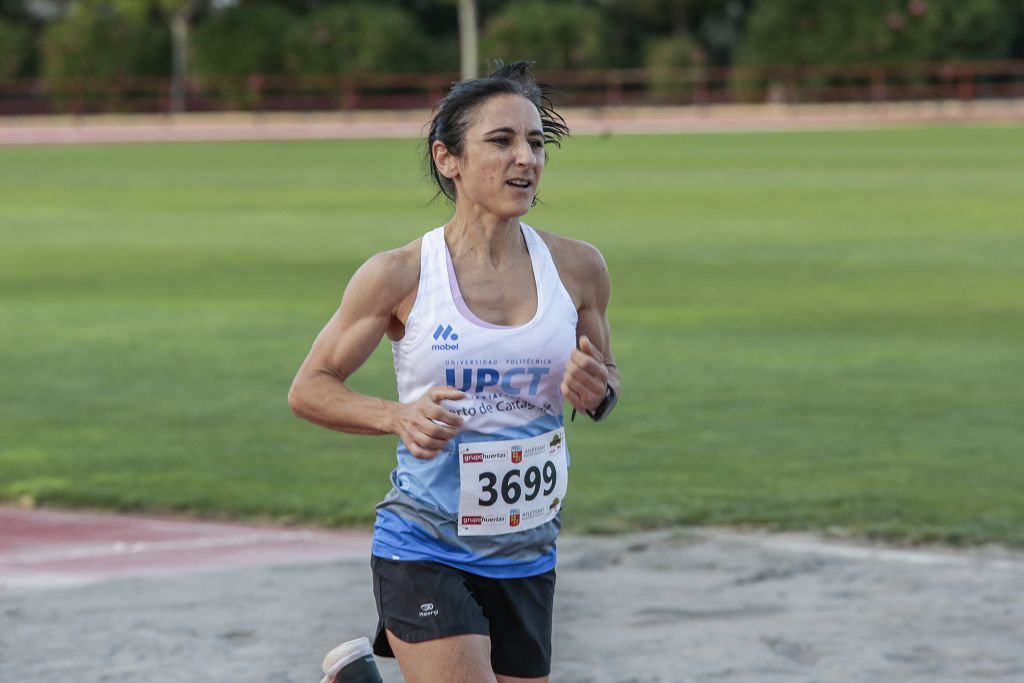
869	31
15	11
99	41
15	48
469	39
556	35
244	39
357	37
715	25
179	15
233	48
665	56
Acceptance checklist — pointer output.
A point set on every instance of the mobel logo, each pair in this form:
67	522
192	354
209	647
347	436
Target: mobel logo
446	338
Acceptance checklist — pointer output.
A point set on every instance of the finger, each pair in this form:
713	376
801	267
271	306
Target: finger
590	363
587	347
417	450
586	380
574	399
441	393
439	414
436	431
423	454
427	442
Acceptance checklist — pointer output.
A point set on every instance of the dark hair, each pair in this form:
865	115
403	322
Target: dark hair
451	115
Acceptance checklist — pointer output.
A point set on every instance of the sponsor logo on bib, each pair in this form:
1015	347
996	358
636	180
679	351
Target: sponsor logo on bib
513	517
472	519
517	454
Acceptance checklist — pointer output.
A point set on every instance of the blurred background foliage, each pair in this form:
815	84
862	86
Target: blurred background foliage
66	39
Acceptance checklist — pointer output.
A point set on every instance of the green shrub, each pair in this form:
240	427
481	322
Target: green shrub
247	38
240	42
357	38
15	49
556	35
90	56
783	32
665	57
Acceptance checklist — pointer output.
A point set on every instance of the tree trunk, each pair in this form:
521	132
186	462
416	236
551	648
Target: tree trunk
468	38
179	60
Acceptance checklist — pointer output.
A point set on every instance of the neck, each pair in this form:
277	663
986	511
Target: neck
483	236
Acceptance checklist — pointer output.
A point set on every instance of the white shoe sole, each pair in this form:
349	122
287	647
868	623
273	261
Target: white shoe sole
343	655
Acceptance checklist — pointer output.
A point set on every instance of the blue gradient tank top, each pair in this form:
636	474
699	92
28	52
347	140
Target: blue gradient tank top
511	376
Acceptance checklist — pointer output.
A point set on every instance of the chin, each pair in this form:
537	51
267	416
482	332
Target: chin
522	209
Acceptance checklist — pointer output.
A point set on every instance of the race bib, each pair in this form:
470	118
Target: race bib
510	486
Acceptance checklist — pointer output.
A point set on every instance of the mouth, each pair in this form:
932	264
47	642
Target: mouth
519	183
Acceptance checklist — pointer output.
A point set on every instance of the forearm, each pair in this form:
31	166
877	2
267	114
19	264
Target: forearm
324	399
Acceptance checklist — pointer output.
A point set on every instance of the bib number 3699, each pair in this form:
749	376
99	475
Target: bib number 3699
533	478
511	486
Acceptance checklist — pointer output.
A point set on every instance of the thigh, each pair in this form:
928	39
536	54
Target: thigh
520	612
423	601
456	659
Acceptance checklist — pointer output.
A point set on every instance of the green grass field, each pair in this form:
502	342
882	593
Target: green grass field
816	330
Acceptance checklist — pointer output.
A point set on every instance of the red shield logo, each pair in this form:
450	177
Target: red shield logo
513	518
517	454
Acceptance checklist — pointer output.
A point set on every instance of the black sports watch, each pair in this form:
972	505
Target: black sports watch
611	397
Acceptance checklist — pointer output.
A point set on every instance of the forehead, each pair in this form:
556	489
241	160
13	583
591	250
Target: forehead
505	111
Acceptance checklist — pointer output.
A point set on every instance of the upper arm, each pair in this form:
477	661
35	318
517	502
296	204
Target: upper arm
585	275
370	305
595	290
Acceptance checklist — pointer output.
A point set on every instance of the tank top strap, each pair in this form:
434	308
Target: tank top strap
432	297
433	264
550	282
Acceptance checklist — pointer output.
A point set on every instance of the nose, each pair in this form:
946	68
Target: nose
524	154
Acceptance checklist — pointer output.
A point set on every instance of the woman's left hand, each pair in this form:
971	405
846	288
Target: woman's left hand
586	377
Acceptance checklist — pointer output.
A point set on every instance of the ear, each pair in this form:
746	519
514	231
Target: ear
446	162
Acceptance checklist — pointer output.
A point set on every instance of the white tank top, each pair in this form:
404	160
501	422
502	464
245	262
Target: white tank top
511	376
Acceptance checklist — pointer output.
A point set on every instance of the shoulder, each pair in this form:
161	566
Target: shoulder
580	264
388	277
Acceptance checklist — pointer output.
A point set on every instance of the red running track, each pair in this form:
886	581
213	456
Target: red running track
47	549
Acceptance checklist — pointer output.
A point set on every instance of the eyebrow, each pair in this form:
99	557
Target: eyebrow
506	129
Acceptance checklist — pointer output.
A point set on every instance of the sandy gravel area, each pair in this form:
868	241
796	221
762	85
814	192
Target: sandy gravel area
95	129
670	606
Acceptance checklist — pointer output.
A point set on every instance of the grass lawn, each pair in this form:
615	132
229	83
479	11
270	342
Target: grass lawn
816	330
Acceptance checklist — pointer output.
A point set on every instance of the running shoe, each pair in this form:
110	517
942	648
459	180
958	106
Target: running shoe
351	662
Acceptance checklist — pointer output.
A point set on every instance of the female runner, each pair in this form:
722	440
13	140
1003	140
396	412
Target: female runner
493	326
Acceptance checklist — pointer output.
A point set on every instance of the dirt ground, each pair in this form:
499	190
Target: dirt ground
681	606
114	128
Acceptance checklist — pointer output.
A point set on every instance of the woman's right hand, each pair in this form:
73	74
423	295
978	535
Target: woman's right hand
424	426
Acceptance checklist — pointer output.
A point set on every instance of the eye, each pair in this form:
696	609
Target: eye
537	144
500	141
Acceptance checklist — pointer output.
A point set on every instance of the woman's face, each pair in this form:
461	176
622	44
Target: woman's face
502	157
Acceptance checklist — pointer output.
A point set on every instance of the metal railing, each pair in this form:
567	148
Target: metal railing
694	86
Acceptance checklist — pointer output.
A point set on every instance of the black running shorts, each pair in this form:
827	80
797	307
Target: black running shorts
419	601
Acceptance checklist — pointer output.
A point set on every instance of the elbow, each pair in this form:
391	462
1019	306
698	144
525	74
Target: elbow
296	400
